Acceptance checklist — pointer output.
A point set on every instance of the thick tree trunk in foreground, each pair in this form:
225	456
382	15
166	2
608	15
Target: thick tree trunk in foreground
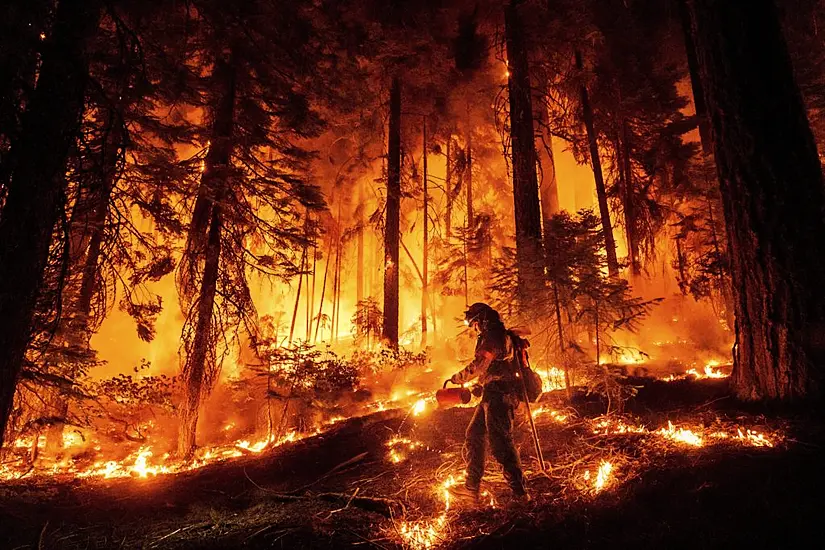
596	163
392	222
49	128
522	145
773	196
198	372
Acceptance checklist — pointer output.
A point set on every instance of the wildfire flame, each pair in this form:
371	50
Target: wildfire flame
602	478
397	444
681	435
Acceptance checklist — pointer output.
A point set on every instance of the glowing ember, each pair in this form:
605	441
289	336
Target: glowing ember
423	534
553	414
754	438
681	435
397	445
608	426
419	407
428	533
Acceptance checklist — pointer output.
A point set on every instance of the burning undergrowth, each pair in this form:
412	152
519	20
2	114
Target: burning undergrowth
384	477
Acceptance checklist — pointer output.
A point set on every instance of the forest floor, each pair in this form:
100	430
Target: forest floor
703	481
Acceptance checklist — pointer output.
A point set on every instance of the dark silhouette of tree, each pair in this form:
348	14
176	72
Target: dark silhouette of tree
773	195
522	146
36	187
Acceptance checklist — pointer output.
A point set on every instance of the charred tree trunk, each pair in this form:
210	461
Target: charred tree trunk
336	286
318	321
548	186
450	196
695	81
359	282
773	197
30	212
626	168
195	376
596	163
86	235
468	174
392	222
680	264
198	373
20	26
426	247
522	144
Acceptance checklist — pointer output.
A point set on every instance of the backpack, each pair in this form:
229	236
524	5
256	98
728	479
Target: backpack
532	381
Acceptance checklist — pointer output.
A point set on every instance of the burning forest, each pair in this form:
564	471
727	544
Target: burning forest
411	274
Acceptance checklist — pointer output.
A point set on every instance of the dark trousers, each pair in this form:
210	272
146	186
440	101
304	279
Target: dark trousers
493	420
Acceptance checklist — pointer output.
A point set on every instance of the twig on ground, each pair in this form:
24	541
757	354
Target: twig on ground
42	536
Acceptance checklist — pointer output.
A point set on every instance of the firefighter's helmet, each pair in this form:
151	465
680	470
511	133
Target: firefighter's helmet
481	313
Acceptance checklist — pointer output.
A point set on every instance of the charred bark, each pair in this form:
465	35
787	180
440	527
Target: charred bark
773	197
596	163
392	221
49	127
195	376
450	195
626	169
20	26
426	246
548	186
468	174
198	372
695	80
522	146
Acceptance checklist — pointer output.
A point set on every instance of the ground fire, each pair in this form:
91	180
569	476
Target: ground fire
404	274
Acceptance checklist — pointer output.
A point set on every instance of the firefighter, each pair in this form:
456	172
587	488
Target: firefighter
495	368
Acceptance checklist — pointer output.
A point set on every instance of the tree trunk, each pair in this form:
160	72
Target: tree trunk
359	281
336	286
392	222
426	247
548	186
468	173
596	163
522	145
448	185
30	212
695	81
297	296
773	197
87	231
20	26
626	168
196	373
323	292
